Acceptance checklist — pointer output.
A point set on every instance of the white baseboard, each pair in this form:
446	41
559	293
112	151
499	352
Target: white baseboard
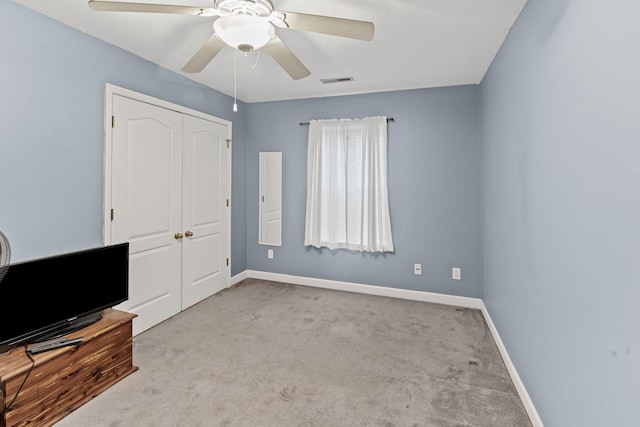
368	289
536	421
238	278
431	297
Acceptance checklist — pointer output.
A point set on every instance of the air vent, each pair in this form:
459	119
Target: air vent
337	80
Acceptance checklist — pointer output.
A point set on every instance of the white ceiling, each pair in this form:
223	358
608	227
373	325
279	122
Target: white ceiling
417	44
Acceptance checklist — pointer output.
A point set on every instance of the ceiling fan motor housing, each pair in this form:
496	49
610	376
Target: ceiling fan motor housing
249	7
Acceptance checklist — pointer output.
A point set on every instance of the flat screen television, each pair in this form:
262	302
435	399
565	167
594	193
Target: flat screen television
54	296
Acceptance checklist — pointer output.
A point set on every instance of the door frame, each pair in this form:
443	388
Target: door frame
111	90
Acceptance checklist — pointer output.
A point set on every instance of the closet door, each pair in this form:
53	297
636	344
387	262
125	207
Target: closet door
167	189
146	203
204	209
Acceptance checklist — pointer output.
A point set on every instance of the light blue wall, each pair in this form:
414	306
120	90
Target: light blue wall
434	189
52	85
561	172
553	186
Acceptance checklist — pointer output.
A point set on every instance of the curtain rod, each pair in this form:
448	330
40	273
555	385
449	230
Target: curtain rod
389	119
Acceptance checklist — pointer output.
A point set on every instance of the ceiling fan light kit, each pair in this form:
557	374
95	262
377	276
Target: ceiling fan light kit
248	25
244	32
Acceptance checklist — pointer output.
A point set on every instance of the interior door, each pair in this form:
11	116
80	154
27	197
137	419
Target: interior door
146	202
204	209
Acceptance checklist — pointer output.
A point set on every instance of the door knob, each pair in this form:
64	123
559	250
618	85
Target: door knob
178	236
188	233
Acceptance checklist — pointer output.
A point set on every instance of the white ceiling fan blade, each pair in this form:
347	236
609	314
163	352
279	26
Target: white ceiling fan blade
204	55
116	6
287	60
361	30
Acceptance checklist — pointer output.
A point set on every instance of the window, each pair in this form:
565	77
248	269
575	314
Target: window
347	202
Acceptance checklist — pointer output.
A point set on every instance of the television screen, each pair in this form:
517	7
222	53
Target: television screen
47	294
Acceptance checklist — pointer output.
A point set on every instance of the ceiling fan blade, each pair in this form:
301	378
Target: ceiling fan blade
361	30
116	6
204	55
287	60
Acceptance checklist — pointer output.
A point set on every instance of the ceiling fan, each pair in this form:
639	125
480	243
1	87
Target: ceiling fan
248	25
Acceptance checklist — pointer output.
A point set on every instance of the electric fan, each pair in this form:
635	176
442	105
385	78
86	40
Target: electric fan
5	255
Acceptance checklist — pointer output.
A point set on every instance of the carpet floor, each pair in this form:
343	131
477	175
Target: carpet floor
271	354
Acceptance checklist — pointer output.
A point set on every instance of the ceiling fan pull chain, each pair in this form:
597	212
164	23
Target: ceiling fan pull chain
235	79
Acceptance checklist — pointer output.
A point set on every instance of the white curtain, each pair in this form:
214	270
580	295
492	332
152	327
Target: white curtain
347	202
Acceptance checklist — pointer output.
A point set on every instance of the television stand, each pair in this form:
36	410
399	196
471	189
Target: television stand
65	378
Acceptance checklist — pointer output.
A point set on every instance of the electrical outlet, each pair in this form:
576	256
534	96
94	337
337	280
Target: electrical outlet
417	269
456	274
270	254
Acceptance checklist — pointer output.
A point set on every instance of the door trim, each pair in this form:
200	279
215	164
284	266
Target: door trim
111	90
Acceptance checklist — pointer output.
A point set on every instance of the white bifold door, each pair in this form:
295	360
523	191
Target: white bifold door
169	180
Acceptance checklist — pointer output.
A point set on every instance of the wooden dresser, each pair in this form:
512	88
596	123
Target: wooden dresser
64	379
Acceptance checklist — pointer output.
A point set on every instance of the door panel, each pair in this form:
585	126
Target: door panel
204	209
146	199
150	288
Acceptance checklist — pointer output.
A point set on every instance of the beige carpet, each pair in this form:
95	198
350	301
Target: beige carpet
272	354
